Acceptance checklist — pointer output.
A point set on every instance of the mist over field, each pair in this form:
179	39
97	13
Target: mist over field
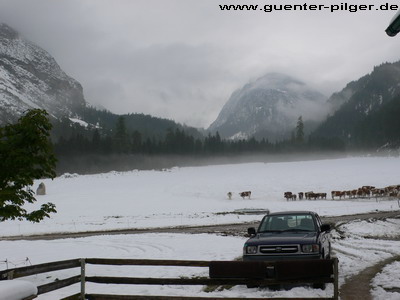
91	164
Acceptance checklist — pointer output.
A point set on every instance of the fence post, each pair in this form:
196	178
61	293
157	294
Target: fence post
10	275
83	275
336	282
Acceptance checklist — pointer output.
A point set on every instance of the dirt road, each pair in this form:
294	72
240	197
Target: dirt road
226	229
358	286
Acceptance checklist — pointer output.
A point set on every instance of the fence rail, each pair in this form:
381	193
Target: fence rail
56	285
147	262
38	269
221	273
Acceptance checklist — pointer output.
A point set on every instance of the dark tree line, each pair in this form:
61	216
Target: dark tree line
178	141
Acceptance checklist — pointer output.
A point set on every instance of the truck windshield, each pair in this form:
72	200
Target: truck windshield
280	223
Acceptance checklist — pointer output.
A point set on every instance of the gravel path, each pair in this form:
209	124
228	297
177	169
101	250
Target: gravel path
226	229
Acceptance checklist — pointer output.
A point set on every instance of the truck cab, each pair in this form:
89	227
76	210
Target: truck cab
288	235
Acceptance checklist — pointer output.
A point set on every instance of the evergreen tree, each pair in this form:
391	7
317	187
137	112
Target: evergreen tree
300	130
96	141
136	141
121	138
26	154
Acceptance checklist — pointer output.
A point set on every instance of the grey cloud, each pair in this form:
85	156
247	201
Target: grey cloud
182	59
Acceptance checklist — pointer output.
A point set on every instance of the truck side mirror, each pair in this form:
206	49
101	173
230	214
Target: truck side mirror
325	227
251	231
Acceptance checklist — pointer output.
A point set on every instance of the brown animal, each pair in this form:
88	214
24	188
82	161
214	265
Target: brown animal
367	190
338	194
287	195
360	193
290	196
301	195
353	194
378	192
245	194
312	195
390	189
308	195
369	187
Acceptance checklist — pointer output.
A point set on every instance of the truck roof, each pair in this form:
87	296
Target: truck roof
293	212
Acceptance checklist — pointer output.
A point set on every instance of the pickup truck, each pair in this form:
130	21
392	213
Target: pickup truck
288	235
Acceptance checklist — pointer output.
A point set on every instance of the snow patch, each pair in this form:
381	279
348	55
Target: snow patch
16	289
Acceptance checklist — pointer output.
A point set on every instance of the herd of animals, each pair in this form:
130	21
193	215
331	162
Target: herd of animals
366	191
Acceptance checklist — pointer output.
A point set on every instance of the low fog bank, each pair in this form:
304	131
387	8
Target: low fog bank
92	164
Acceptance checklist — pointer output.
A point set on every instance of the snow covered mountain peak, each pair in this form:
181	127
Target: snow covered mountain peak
31	78
268	108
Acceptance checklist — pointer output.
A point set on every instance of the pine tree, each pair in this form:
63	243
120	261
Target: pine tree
136	141
300	130
96	141
121	137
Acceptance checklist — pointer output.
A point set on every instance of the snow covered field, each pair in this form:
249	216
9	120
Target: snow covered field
197	196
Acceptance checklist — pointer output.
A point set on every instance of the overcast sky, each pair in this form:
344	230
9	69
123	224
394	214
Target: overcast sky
182	59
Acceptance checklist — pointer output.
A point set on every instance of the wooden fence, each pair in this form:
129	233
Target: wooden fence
220	273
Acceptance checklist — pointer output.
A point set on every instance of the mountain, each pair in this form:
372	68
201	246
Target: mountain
31	78
367	110
269	107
